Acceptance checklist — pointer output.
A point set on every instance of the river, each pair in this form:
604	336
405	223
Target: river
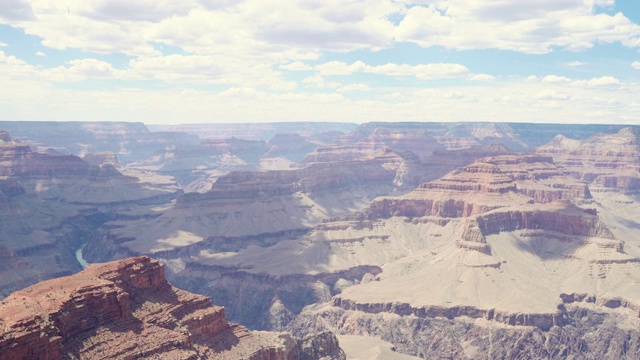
81	259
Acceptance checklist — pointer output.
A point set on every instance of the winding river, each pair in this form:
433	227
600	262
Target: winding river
79	257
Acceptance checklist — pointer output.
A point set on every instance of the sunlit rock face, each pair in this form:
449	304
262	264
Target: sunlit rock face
509	247
127	309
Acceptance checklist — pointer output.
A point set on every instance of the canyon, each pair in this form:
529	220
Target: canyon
127	310
420	240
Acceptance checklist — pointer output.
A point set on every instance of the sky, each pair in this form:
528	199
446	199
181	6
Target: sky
208	61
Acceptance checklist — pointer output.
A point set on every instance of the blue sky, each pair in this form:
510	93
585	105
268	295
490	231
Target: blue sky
193	61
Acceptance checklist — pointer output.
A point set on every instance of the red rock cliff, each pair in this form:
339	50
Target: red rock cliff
127	310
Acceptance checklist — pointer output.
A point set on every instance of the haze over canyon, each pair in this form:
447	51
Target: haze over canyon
460	240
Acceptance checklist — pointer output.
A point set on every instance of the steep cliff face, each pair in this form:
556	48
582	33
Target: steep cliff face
251	204
293	147
73	180
127	309
512	253
480	219
588	333
50	204
601	154
18	159
485	185
345	152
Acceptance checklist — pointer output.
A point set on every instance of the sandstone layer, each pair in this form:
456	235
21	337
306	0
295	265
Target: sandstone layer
127	310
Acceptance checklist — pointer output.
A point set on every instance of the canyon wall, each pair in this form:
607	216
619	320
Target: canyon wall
127	309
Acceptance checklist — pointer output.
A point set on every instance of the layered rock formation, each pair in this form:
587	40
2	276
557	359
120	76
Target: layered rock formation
293	147
487	184
497	244
501	251
250	204
600	155
130	141
50	204
459	135
472	250
127	309
610	164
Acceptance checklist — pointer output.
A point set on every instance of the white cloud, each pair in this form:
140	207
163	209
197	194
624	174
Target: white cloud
328	25
318	82
597	82
555	79
15	10
3	44
239	92
553	95
40	53
531	78
340	68
575	63
354	87
534	27
603	81
505	102
482	77
92	68
178	68
296	66
423	71
248	46
139	10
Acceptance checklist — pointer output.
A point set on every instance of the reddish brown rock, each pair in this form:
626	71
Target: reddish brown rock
127	310
487	184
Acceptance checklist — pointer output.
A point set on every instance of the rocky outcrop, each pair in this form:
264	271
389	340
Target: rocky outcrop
585	332
18	159
344	152
626	184
101	158
563	217
247	150
314	178
542	321
291	146
417	142
264	301
601	154
127	309
487	184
